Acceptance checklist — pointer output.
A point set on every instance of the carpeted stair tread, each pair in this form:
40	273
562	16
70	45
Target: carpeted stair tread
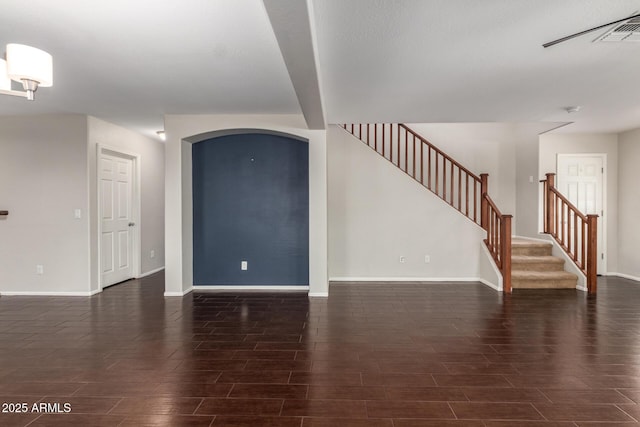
525	259
534	267
520	246
543	275
543	279
537	263
519	241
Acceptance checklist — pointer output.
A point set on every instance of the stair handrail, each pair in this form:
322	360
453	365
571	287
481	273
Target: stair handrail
580	243
432	168
434	180
439	151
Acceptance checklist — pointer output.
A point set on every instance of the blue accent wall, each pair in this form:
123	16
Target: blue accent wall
251	202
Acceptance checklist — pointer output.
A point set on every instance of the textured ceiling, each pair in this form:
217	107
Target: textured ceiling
130	62
476	61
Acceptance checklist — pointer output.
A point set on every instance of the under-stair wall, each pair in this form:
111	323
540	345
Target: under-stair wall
377	215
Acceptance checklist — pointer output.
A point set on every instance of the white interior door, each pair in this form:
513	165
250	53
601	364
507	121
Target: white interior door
117	222
581	179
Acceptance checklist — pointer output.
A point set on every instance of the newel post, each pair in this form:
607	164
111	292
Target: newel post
551	205
592	253
484	205
505	248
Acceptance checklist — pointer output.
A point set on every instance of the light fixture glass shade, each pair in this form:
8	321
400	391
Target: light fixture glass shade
29	63
5	81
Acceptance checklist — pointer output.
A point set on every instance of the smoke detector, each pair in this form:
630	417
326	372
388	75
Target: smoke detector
627	31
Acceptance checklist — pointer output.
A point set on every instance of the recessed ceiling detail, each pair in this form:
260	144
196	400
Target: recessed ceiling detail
628	31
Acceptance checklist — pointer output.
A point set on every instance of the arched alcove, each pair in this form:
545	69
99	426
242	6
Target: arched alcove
250	211
184	130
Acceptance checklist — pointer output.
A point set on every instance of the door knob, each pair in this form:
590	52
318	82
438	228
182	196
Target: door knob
131	224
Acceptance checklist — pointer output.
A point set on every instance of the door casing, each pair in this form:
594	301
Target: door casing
135	206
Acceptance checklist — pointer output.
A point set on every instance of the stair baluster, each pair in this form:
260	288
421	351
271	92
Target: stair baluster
578	238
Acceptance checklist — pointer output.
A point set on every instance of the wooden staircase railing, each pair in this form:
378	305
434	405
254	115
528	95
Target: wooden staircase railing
498	239
575	232
447	179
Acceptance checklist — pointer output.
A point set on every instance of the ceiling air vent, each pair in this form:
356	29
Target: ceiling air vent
627	31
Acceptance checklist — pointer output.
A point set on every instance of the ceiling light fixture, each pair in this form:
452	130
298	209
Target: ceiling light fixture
573	109
27	65
162	135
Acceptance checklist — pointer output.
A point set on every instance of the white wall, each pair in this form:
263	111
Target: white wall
151	221
377	214
43	179
178	235
629	204
528	187
552	144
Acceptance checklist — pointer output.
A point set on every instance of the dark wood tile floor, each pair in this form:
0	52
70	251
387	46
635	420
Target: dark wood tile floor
374	355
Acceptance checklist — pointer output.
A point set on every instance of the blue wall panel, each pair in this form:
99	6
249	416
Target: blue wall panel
251	202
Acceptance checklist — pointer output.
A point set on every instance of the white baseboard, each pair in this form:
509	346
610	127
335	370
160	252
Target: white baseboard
581	288
48	294
625	276
404	279
319	294
491	285
250	288
178	294
149	273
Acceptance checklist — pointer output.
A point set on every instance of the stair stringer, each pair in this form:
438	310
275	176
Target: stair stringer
489	273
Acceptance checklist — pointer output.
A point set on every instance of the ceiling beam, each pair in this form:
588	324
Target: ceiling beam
292	25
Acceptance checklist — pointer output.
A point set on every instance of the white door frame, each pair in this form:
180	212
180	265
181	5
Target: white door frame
135	211
604	216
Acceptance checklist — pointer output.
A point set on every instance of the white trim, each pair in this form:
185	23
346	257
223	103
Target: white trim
136	188
625	276
149	273
49	294
318	294
491	285
178	294
249	288
404	279
581	288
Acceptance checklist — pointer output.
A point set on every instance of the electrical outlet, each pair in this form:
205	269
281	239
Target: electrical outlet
152	254
77	213
244	265
40	269
402	260
427	259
